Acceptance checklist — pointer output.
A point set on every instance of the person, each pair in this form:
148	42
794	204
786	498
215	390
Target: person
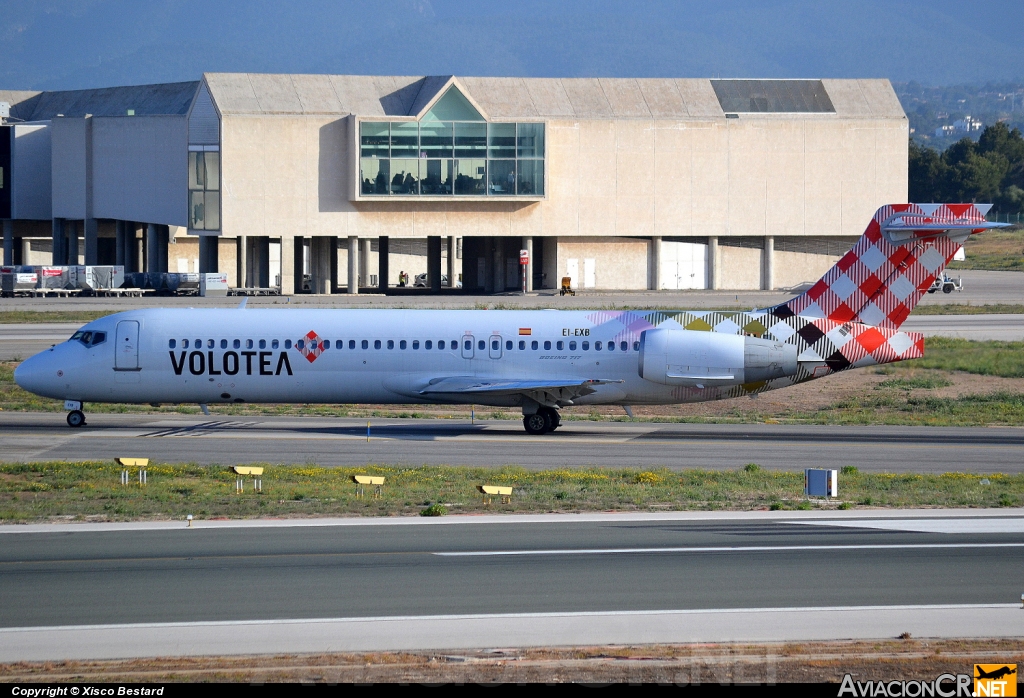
403	278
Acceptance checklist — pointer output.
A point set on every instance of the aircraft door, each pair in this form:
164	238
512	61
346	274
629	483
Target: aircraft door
494	348
126	348
467	346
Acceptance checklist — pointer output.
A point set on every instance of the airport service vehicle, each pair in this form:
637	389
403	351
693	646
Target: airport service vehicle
946	283
534	360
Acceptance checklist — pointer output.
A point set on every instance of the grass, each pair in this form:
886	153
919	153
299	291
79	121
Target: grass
915	382
994	250
56	491
989	358
17	317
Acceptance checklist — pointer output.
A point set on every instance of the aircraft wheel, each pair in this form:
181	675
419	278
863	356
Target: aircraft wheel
76	418
551	417
535	424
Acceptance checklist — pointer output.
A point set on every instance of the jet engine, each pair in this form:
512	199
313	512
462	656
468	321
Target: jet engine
706	359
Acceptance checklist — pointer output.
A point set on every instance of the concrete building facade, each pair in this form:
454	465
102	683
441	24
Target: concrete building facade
325	183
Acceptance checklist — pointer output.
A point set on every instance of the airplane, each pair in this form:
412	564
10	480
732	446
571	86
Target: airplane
534	360
995	674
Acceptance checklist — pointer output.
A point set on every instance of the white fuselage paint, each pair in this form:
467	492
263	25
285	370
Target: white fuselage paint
72	371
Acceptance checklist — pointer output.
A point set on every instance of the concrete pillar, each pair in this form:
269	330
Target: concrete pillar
261	262
8	242
243	275
498	264
153	247
382	263
656	263
57	235
713	280
365	248
26	251
163	237
91	234
71	228
332	262
528	246
452	246
287	266
356	263
119	243
208	261
320	249
769	263
434	263
138	248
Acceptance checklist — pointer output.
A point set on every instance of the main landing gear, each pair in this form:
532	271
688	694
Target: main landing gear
542	421
76	418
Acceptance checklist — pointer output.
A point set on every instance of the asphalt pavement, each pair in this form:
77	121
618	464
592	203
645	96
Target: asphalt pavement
618	577
335	441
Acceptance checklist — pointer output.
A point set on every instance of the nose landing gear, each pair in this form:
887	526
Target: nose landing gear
76	418
542	421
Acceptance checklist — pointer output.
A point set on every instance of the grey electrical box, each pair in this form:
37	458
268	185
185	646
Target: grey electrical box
821	483
5	110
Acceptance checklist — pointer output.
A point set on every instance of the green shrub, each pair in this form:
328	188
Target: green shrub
849	470
435	510
751	468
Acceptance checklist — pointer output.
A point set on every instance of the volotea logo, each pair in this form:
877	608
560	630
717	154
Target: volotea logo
995	680
310	346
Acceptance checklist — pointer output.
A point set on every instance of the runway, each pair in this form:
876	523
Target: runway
237	588
329	441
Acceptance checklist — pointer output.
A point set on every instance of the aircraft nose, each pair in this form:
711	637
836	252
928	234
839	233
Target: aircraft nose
36	375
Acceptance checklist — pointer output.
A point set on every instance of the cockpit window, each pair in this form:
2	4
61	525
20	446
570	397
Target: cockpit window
98	338
77	335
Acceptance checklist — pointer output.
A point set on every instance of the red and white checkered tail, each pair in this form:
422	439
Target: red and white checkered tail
882	278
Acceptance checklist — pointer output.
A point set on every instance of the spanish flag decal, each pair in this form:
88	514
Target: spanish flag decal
525	331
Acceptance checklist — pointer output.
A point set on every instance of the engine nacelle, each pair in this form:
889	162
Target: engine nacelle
706	359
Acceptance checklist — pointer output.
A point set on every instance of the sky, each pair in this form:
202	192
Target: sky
71	44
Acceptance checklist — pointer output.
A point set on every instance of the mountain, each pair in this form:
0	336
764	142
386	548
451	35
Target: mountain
68	44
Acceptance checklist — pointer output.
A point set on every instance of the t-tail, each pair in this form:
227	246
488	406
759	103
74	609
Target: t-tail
882	278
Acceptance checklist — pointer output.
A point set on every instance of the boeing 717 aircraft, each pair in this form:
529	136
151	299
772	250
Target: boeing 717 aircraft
536	360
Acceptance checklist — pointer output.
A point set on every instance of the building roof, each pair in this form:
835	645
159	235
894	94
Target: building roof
513	98
406	96
171	98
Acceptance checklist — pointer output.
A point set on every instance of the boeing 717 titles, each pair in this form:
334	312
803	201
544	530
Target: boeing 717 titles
537	360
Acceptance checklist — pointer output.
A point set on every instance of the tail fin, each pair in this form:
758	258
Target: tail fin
903	250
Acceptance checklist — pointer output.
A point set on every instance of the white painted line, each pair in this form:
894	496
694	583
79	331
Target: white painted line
511	629
727	549
784	517
979	525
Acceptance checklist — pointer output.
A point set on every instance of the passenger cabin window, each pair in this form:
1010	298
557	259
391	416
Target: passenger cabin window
376	344
522	344
237	344
611	346
184	344
352	344
391	344
248	344
210	344
572	346
481	345
495	344
623	346
586	346
198	344
533	345
223	344
636	346
263	344
597	346
547	345
287	344
402	344
274	344
560	345
415	344
468	345
428	345
300	344
171	343
508	345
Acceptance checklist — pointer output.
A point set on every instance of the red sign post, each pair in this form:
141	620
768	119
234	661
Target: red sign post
524	260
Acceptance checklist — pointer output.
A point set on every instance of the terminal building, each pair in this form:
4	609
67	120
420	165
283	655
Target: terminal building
336	183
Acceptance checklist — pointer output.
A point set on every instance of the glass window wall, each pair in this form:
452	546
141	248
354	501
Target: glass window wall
445	158
204	190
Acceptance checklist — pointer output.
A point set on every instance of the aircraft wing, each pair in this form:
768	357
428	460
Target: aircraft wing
546	392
